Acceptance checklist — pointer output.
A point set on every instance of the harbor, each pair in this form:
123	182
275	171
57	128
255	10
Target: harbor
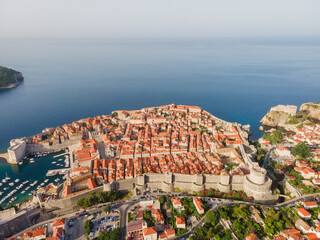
18	183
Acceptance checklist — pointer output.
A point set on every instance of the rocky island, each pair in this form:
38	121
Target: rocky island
9	78
287	117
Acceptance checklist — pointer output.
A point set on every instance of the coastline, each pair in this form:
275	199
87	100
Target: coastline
13	85
18	78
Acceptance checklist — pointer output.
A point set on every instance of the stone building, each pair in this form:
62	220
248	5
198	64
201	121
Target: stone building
17	150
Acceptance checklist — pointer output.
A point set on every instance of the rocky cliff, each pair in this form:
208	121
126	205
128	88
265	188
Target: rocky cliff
286	116
278	117
311	109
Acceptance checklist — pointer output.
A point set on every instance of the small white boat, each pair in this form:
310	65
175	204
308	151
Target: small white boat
31	161
17	180
23	191
34	183
11	184
51	173
5	189
20	163
46	180
54	162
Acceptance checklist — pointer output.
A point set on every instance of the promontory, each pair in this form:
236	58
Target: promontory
287	117
9	78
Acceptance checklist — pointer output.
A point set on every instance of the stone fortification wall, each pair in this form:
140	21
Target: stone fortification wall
70	201
17	150
17	223
237	179
257	184
258	175
211	178
290	109
293	191
33	148
252	185
170	181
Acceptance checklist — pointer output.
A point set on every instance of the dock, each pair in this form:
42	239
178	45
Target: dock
59	155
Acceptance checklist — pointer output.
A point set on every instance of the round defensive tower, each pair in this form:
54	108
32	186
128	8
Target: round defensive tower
257	184
257	174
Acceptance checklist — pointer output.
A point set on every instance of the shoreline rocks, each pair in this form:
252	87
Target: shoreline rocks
311	109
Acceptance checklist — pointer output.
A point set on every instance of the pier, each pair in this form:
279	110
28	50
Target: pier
59	155
5	156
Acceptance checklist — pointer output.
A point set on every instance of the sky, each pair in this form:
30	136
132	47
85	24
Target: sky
158	19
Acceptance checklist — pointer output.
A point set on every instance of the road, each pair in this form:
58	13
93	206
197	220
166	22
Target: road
123	219
124	207
78	224
228	203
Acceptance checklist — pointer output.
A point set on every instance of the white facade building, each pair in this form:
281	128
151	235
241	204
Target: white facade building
283	152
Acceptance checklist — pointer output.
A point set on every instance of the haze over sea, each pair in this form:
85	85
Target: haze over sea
234	79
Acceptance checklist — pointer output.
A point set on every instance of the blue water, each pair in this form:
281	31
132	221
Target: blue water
234	79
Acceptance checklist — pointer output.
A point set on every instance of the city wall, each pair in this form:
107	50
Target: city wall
69	201
17	223
34	148
170	182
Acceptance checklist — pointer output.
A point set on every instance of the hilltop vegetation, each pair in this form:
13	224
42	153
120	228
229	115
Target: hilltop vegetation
9	78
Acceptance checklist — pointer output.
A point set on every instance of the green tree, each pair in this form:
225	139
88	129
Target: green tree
88	225
80	202
211	217
301	150
102	197
112	235
9	76
148	218
200	232
107	209
223	214
275	137
162	199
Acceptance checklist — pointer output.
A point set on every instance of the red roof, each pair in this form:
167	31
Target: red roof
304	212
59	222
91	183
149	231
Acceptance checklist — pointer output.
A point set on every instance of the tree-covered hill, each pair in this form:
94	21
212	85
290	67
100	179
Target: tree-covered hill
9	77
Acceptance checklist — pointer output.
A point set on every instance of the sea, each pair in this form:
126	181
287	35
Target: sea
65	80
